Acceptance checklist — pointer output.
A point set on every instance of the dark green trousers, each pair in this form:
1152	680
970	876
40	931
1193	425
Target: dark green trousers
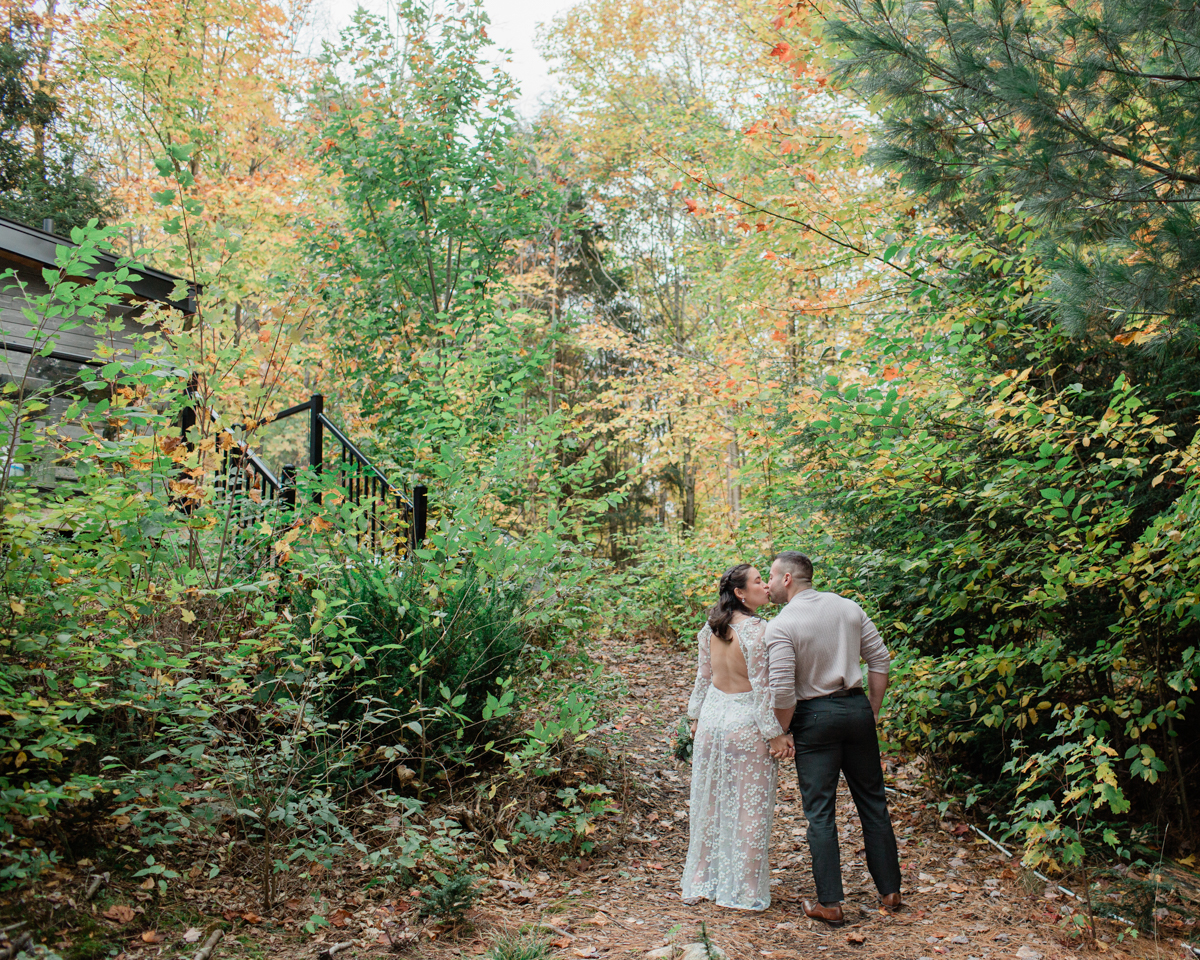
837	735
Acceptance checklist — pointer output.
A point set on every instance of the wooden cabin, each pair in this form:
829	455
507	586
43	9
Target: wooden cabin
25	252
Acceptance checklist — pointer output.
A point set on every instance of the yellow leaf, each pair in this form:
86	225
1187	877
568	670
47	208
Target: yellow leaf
186	615
17	607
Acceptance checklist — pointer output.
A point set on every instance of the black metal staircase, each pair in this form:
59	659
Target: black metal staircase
393	518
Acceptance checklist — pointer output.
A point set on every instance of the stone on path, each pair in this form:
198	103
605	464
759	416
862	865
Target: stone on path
689	951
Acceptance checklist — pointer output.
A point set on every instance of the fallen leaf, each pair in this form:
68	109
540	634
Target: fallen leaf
192	935
120	913
230	914
960	829
855	937
251	917
599	919
152	936
561	943
339	917
588	954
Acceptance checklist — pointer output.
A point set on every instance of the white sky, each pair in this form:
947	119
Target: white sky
514	25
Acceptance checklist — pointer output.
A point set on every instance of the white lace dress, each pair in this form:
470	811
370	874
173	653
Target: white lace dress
733	781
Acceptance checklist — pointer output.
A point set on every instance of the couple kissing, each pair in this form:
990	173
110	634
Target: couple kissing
790	688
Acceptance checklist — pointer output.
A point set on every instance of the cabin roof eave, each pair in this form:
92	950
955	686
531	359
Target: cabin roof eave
31	246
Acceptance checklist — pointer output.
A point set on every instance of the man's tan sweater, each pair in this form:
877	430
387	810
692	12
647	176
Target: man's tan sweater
815	644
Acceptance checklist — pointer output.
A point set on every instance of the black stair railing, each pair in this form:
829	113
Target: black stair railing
381	504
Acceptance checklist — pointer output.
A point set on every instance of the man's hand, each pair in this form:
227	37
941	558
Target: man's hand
877	684
782	747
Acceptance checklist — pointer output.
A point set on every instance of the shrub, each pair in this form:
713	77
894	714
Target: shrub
450	896
429	653
675	580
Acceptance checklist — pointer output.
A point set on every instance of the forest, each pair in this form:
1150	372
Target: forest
911	287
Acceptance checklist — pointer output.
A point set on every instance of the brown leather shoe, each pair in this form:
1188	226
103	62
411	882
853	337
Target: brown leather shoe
818	911
891	903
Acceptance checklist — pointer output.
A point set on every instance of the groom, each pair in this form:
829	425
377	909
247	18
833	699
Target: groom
814	646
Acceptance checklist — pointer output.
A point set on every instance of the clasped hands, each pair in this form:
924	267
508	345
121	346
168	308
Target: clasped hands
783	747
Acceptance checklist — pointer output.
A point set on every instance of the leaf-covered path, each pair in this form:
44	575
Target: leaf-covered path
963	898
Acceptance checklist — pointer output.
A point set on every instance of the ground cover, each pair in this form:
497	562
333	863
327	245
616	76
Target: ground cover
963	897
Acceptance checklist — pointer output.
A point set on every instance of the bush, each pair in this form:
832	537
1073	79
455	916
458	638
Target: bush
675	580
450	896
428	653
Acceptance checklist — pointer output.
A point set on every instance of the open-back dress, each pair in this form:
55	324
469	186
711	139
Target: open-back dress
733	780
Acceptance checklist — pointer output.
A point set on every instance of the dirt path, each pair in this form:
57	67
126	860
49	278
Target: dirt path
962	896
964	899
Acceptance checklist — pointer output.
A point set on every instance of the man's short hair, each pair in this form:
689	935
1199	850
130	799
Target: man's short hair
795	563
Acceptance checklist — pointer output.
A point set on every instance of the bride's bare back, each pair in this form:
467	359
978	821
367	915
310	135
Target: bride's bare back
729	673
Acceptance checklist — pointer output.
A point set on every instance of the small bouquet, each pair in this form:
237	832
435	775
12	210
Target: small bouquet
683	742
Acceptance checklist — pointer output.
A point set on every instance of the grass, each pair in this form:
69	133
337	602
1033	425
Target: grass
523	946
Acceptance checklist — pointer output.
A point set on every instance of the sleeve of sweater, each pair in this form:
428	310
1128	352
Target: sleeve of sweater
871	647
781	666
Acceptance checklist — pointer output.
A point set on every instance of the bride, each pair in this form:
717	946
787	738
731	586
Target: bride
737	741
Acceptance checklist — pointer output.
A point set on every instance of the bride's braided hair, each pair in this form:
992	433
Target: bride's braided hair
720	617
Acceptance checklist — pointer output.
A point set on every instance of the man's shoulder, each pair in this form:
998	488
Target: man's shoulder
774	627
835	601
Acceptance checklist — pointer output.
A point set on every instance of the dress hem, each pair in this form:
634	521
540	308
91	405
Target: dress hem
728	906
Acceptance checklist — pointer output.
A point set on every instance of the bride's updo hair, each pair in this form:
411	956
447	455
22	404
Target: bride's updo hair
720	617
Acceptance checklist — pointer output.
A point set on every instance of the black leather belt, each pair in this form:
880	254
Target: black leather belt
852	692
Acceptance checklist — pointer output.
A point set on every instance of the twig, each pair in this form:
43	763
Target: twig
210	945
1191	948
94	885
13	926
22	943
329	952
614	919
559	930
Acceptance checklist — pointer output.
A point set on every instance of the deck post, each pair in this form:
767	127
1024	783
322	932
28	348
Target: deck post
420	512
316	438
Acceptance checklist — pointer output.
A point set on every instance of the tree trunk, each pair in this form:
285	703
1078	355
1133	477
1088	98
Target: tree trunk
688	479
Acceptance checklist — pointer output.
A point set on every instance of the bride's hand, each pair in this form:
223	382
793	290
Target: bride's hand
692	726
782	747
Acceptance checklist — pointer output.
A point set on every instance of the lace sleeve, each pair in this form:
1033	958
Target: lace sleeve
703	675
760	682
